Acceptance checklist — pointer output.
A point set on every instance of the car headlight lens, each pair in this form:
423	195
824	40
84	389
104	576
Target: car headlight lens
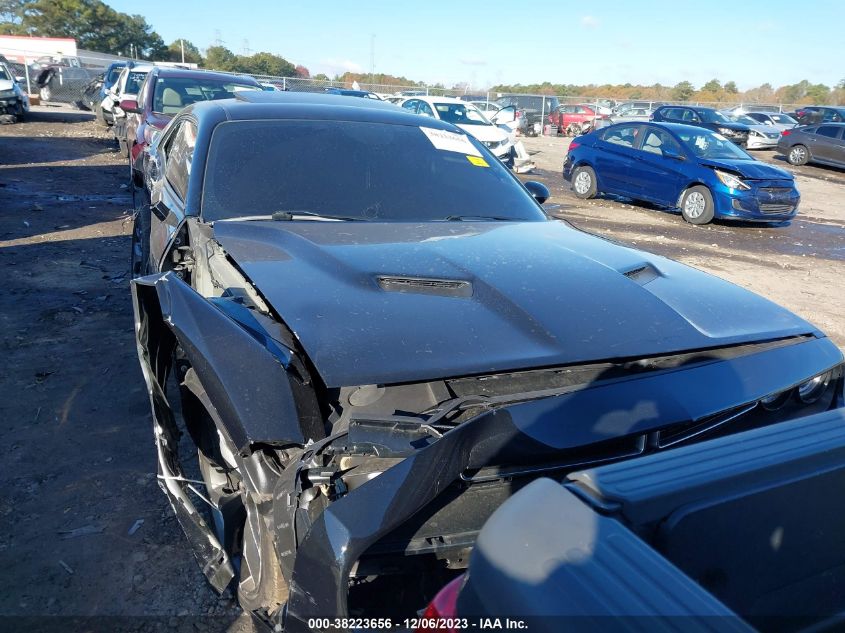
5	94
726	131
812	390
729	180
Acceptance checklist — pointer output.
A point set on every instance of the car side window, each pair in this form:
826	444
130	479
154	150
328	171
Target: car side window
625	135
178	156
657	141
830	131
425	109
411	104
689	115
676	114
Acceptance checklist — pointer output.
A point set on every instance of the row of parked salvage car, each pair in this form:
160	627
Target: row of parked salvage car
418	400
694	159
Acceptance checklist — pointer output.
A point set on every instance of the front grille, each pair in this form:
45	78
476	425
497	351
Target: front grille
776	191
776	208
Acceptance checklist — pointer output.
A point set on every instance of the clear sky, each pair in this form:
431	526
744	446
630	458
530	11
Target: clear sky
638	41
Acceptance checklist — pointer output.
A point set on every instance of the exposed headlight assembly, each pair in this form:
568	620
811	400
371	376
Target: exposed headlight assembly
812	390
6	94
732	181
727	131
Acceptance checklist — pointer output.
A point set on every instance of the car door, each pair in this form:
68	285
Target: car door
615	158
826	143
170	187
657	171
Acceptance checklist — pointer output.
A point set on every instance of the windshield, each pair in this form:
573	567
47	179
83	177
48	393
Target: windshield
744	118
712	116
134	81
460	114
367	171
114	73
706	144
174	93
783	119
4	74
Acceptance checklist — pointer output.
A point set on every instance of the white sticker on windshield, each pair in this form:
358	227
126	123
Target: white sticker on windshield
450	142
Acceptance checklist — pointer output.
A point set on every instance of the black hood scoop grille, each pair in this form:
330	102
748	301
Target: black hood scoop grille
426	286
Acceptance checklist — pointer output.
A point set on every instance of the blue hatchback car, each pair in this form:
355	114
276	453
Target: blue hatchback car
681	167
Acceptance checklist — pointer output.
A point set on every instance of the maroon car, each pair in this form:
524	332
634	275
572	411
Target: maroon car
165	92
572	117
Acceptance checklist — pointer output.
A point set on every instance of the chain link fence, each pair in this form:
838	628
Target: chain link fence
72	80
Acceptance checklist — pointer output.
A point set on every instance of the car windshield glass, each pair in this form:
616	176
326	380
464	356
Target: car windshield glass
745	119
712	116
133	82
460	114
783	119
4	75
362	170
114	73
706	144
174	93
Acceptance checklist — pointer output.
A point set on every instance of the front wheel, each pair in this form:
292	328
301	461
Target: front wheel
261	586
584	182
45	93
798	155
697	205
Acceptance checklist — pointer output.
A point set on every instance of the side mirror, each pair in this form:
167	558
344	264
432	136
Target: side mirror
538	190
130	105
672	154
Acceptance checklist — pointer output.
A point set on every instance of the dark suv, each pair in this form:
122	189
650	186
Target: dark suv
532	107
703	117
813	115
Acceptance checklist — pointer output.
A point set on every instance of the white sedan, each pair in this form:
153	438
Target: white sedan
495	134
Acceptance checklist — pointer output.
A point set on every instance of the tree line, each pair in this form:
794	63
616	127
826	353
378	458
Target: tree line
96	26
714	90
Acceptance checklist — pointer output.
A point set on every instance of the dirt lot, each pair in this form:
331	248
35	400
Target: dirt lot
77	466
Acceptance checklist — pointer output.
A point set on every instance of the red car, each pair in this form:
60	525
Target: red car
163	94
571	118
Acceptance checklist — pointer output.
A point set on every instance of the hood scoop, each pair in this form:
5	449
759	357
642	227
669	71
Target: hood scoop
642	274
426	286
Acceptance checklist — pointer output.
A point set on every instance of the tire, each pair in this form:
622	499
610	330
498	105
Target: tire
584	182
44	93
798	155
697	205
139	260
261	586
101	118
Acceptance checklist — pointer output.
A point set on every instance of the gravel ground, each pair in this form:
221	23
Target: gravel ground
84	530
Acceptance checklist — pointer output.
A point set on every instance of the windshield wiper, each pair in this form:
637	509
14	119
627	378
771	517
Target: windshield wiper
476	218
280	216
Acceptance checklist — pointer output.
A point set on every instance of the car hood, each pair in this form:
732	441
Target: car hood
529	294
488	133
750	169
739	127
7	84
763	128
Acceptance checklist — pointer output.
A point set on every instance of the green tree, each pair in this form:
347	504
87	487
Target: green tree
220	58
819	93
714	85
264	64
192	53
321	77
11	16
683	91
730	87
94	25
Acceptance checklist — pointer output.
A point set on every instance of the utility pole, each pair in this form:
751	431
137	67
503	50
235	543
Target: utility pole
182	44
372	57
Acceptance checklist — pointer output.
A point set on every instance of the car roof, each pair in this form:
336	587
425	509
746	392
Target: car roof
170	71
259	104
672	127
436	99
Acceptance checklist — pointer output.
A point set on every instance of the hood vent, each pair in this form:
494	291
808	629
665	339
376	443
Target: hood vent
642	274
421	285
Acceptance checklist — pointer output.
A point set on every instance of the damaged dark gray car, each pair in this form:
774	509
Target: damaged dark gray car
374	336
